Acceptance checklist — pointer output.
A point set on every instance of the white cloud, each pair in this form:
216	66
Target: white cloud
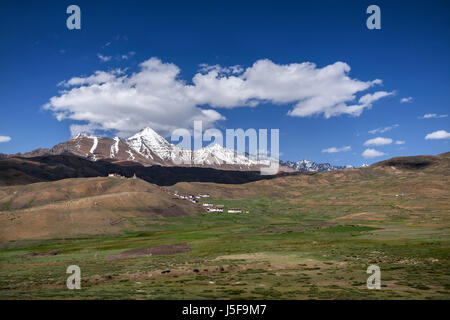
5	138
104	58
156	96
440	134
124	103
312	90
433	116
334	149
383	129
378	141
406	100
399	142
370	98
372	153
99	77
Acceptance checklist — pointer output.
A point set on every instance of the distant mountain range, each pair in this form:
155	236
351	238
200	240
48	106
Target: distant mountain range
149	148
309	166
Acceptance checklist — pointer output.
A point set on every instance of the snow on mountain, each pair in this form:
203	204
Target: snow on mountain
82	135
215	154
149	148
150	145
114	147
94	145
311	166
131	155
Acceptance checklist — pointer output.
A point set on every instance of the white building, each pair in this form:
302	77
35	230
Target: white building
208	205
234	211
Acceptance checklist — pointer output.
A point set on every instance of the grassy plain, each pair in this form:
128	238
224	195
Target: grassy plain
306	237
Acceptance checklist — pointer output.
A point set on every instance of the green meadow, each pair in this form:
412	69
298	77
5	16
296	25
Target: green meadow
279	250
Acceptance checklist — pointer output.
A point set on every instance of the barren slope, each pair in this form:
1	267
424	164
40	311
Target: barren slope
83	206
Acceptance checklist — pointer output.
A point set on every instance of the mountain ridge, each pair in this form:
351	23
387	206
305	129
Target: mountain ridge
148	148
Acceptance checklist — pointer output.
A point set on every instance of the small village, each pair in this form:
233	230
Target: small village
209	207
116	175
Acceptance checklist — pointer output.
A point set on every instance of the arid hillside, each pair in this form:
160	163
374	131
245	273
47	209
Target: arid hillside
418	174
416	188
83	207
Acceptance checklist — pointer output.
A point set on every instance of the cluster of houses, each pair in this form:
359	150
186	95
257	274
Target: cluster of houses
219	208
191	198
210	207
116	175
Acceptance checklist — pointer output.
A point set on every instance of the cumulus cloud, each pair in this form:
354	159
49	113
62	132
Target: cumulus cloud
440	134
313	91
104	58
125	103
433	116
98	77
334	149
372	153
156	96
5	139
378	141
383	129
399	142
406	100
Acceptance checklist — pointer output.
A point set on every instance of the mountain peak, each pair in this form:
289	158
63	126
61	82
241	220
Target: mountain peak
148	143
83	135
148	131
149	135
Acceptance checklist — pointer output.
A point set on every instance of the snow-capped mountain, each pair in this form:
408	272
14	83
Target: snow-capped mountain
311	166
149	148
155	148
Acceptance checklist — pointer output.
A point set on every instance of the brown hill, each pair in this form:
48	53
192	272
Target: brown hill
83	206
417	174
440	162
77	207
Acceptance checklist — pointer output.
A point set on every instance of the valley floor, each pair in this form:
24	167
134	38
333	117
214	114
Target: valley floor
275	256
305	238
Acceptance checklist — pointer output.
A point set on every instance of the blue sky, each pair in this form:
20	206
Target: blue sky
409	54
